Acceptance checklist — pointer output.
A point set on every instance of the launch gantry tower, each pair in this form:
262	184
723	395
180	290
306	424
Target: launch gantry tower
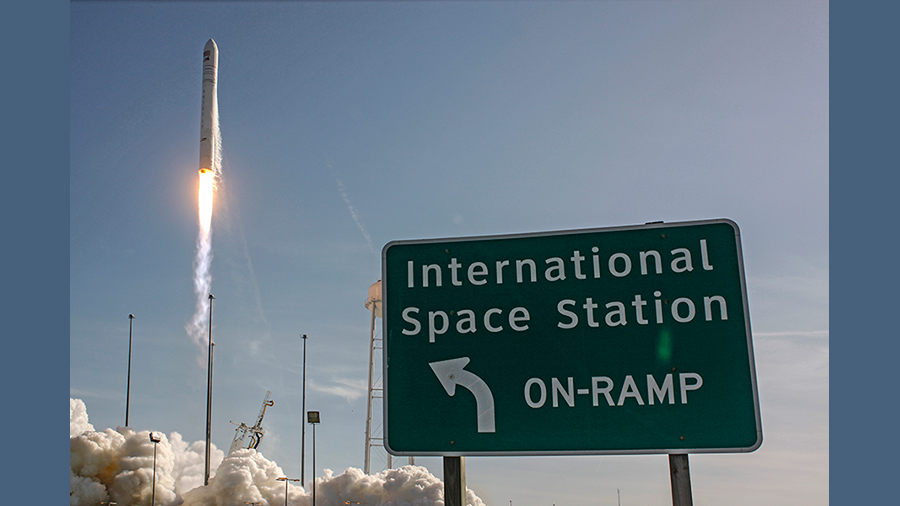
256	432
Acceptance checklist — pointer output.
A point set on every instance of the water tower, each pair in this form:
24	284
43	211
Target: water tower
376	388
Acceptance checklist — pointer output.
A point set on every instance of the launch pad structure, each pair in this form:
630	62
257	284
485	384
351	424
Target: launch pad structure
256	432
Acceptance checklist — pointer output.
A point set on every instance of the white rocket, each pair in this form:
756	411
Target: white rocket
208	107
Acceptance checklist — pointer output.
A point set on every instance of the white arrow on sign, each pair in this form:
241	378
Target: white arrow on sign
451	373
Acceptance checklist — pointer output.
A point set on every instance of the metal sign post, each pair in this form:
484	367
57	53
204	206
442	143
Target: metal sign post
454	481
680	476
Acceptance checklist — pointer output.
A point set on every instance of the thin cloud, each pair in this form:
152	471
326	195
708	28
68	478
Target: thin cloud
346	389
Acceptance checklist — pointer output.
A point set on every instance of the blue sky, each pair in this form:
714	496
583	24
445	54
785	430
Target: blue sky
349	125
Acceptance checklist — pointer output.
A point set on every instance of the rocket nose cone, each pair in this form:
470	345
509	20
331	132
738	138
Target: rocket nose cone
210	46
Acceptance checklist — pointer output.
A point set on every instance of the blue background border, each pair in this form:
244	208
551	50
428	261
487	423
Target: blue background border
865	177
36	251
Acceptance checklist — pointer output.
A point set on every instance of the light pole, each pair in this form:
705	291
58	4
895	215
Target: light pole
285	479
154	437
303	426
209	395
128	384
313	418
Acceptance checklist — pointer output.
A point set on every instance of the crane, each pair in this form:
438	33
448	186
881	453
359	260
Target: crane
256	432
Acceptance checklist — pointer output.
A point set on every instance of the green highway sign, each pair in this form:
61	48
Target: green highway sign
604	341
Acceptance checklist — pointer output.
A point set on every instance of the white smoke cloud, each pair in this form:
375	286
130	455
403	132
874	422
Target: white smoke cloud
78	418
190	462
117	465
405	486
244	476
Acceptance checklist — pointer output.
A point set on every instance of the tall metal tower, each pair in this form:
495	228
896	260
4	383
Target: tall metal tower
375	438
256	432
376	390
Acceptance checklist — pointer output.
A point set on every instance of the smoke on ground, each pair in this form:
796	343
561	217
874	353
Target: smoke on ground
117	466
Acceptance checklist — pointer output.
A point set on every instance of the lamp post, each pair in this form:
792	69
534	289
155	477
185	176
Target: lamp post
313	418
128	384
285	479
154	438
303	426
209	395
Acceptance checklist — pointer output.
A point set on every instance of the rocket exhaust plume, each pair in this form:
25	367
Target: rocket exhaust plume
210	168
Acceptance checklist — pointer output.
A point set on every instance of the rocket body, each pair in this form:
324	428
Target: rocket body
209	138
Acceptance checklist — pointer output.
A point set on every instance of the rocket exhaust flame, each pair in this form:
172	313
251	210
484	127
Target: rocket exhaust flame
210	163
202	261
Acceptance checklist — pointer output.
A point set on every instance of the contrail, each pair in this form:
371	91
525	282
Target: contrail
356	218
